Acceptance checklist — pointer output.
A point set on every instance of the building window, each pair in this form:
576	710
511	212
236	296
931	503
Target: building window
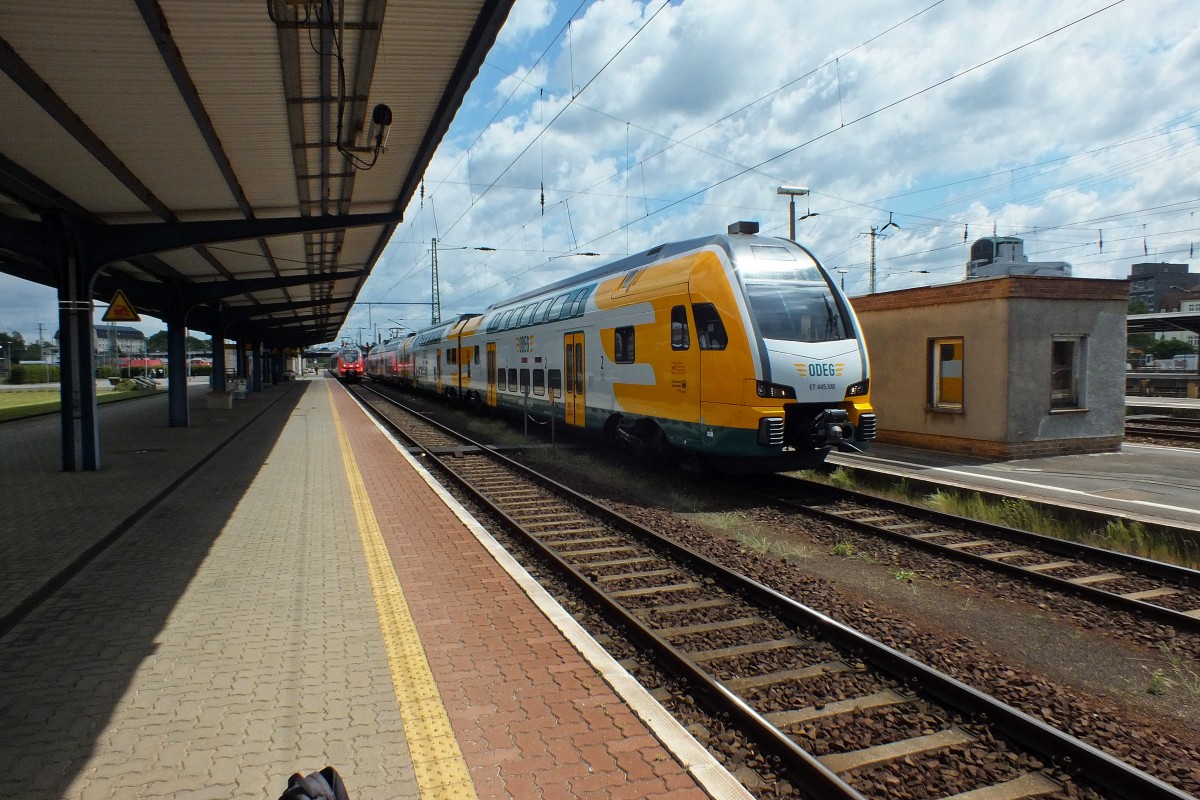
1066	367
623	345
946	374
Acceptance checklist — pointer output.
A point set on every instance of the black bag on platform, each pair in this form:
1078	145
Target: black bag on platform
323	785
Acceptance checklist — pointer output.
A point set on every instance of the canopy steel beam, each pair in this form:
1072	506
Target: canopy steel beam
121	242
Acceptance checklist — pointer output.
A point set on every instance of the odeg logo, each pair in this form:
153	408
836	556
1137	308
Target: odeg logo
819	369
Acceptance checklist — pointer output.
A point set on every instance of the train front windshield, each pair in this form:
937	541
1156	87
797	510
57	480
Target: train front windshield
790	297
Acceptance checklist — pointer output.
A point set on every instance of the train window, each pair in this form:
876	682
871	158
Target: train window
539	382
524	380
710	331
539	314
680	336
580	301
569	304
554	378
502	380
504	320
946	374
556	306
477	355
796	312
570	364
1066	366
512	380
772	252
623	351
452	356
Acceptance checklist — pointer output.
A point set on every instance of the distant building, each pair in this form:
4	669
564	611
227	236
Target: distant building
1158	284
1000	256
119	340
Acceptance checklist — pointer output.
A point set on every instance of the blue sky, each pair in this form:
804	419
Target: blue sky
615	125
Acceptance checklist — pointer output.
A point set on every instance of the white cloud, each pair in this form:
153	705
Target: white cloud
525	19
1092	128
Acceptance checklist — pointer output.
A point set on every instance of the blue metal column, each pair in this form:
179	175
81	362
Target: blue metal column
177	368
218	353
257	365
77	361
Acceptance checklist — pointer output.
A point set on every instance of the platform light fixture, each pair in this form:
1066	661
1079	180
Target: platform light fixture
792	193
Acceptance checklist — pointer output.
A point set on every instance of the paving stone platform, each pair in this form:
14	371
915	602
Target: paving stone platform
301	596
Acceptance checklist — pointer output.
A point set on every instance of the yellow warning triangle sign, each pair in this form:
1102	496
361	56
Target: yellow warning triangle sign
120	310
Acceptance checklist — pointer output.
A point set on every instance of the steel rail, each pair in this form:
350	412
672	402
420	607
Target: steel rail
1163	431
1071	754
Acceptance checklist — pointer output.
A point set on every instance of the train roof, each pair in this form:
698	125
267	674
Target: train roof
729	242
644	258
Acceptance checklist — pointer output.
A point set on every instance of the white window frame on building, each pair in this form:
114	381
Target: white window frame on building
946	388
1068	356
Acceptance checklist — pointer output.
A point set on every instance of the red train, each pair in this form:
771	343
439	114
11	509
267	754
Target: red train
347	365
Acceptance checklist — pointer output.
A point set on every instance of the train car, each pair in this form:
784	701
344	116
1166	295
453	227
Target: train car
382	362
347	364
736	349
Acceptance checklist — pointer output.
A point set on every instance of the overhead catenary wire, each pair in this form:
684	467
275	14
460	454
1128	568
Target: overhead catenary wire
654	206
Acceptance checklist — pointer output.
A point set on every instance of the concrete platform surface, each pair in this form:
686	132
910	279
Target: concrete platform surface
1159	485
301	596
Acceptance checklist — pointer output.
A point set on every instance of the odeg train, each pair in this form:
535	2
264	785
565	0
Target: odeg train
737	351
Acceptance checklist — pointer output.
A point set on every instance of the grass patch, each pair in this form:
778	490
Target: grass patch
843	549
1184	671
16	405
751	535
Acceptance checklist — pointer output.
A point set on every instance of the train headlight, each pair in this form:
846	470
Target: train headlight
774	390
859	389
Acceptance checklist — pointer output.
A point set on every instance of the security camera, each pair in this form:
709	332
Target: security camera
381	125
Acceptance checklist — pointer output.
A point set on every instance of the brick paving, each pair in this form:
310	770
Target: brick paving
532	718
229	638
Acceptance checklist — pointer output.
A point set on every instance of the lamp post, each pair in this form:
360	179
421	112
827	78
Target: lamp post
792	193
843	272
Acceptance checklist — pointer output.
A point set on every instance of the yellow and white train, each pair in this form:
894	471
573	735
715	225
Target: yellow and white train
736	348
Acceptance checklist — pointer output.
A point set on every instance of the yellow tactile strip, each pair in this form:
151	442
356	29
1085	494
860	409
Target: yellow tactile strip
438	762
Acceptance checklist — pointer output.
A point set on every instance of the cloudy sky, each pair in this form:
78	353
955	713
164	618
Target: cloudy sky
611	126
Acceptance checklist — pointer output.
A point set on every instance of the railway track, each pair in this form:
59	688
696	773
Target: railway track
1175	429
846	716
1154	590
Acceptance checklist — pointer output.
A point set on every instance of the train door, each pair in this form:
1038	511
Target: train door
574	394
437	372
491	374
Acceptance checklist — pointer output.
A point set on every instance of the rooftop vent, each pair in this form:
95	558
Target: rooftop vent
743	227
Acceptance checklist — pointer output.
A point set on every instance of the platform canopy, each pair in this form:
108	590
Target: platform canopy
1165	321
214	159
